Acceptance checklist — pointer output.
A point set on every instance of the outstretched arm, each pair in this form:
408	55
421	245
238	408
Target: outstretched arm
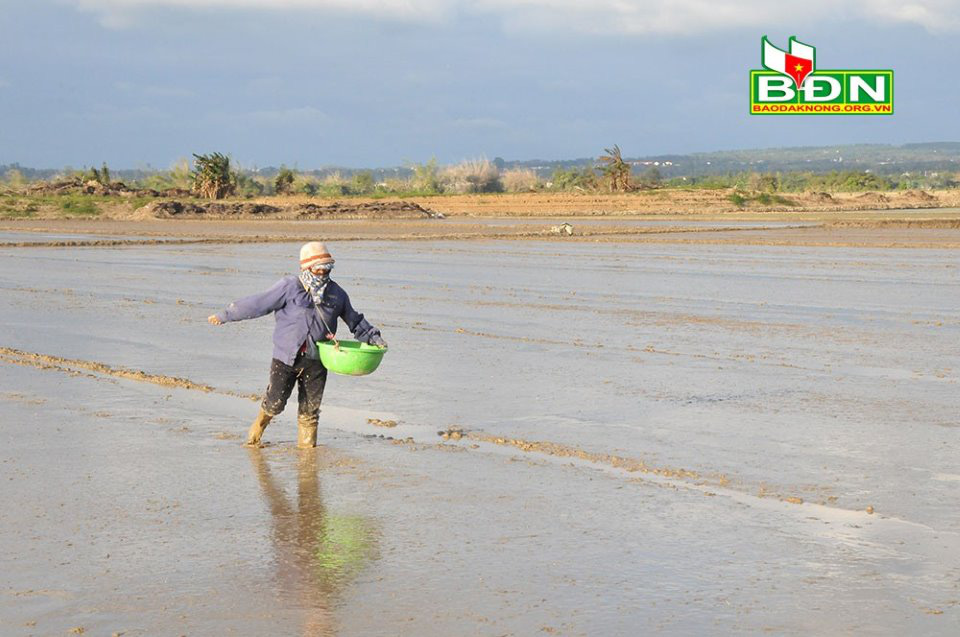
361	328
252	306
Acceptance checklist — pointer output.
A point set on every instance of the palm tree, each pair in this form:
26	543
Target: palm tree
212	178
616	169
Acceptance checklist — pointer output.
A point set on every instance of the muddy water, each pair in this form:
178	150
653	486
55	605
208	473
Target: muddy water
671	437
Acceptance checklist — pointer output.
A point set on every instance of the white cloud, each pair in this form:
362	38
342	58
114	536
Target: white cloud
690	17
932	15
667	17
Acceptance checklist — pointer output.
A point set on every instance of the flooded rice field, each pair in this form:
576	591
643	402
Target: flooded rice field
693	438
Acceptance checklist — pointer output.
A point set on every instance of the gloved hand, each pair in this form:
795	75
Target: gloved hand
377	340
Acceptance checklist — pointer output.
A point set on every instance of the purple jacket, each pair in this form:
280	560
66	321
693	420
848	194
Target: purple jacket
297	320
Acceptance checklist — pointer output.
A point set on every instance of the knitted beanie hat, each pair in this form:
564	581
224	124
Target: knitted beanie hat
314	253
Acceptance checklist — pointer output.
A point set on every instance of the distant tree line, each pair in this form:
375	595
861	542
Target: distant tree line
806	181
215	176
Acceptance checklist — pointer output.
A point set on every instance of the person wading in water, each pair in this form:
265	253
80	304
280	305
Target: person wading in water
306	308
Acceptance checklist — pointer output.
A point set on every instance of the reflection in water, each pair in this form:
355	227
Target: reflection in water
317	553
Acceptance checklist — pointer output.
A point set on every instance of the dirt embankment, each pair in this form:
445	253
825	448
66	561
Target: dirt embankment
649	202
116	201
279	209
92	187
681	202
952	224
543	204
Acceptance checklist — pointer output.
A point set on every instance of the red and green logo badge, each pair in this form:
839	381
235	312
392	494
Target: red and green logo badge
792	85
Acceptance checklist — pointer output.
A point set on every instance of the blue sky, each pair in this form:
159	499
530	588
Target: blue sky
381	82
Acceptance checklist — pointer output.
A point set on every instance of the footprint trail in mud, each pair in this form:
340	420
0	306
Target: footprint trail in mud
710	484
73	366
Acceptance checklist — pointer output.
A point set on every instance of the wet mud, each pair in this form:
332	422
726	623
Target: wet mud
632	435
898	223
556	450
451	433
709	484
432	234
937	229
74	367
318	551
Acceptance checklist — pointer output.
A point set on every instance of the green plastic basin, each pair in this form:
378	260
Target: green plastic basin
350	358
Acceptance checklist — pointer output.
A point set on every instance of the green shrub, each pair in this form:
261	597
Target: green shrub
248	187
6	212
139	202
283	182
741	199
765	182
14	178
737	199
651	177
362	184
307	187
782	201
180	175
78	205
332	189
12	208
426	178
574	179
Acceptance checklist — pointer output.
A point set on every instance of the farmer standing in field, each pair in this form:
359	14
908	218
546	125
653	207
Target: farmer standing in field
307	308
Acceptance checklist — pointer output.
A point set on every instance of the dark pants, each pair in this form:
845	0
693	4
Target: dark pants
310	377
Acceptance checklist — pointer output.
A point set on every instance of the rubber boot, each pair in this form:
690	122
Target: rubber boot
256	429
307	430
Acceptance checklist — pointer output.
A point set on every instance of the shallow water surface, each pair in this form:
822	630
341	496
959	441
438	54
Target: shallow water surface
684	438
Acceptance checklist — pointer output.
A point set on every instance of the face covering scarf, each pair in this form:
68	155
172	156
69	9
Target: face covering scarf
315	284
